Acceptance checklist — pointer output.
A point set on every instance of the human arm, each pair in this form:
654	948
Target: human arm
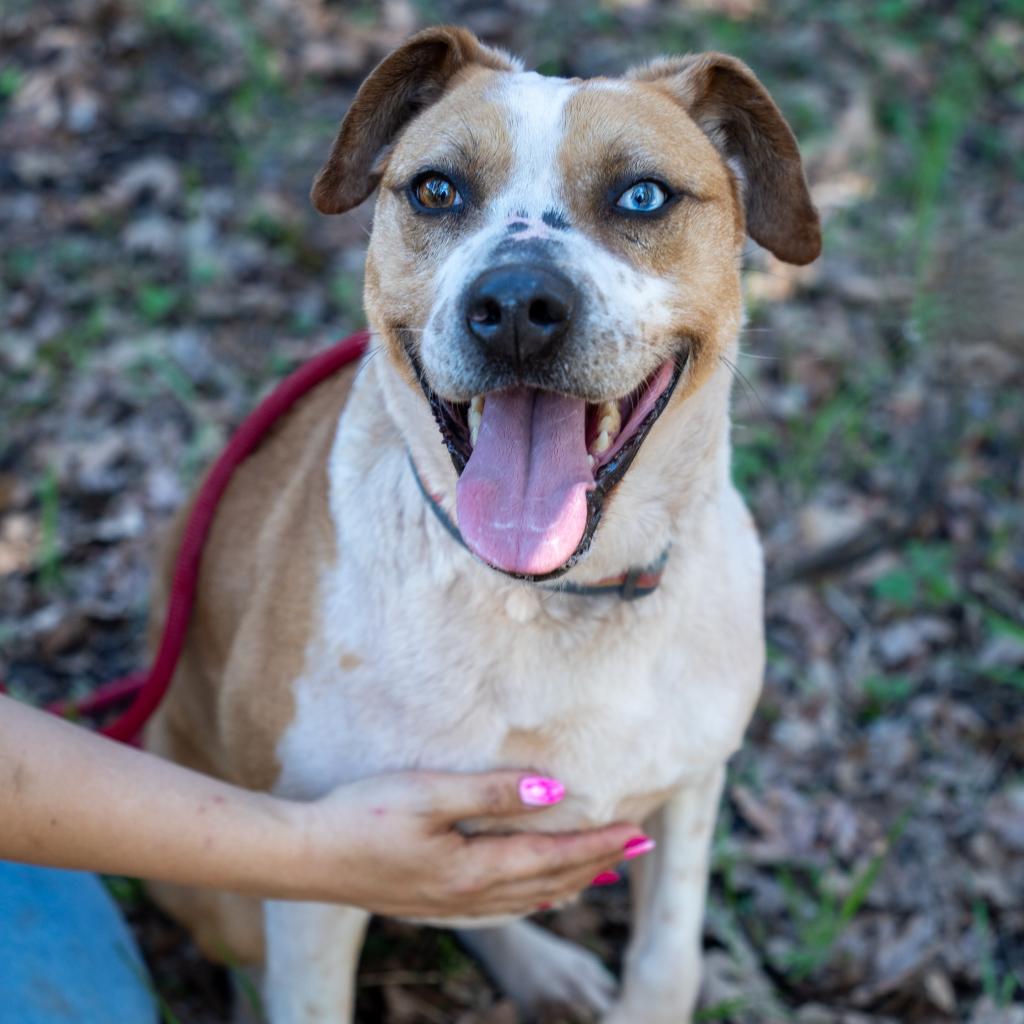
71	799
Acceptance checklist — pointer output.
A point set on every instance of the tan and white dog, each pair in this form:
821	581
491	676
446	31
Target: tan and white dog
553	286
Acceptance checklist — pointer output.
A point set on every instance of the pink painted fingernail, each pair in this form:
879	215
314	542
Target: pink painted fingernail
537	791
544	906
607	878
638	846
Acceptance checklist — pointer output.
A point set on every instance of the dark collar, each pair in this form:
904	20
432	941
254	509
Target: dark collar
629	585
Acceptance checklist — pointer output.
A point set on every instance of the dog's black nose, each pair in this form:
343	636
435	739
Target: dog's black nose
520	311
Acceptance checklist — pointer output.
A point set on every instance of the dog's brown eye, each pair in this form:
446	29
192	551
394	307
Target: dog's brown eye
436	192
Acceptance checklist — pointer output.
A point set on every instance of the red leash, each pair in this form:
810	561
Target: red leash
148	689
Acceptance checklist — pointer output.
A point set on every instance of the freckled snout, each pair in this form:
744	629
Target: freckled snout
520	312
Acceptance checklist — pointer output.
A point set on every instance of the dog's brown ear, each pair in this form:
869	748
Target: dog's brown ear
735	111
404	83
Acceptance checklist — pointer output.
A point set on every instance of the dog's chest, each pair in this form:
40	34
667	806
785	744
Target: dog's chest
422	658
408	678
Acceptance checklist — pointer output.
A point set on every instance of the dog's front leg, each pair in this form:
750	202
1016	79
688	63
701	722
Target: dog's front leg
312	953
662	973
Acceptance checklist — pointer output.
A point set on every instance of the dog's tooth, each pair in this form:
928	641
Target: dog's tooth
610	421
475	417
591	461
601	443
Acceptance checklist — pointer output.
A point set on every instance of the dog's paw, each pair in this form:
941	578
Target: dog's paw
563	973
651	1007
620	1013
535	968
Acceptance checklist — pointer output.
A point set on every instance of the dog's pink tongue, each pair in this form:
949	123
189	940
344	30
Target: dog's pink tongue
522	498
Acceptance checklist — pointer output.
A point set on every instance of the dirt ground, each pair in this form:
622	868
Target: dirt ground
161	267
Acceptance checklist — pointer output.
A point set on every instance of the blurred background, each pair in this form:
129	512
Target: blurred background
161	267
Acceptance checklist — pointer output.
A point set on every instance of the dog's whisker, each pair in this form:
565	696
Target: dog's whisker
747	354
745	380
351	214
370	355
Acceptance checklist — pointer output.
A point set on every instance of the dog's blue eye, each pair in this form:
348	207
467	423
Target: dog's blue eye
643	197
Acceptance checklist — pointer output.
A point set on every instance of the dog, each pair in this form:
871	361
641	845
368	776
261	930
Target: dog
413	570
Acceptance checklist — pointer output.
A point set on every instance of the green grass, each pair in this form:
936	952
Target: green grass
1000	986
599	19
724	860
1000	625
1003	676
261	66
167	1015
929	135
250	993
820	916
175	20
157	302
883	693
367	14
754	457
273	230
263	82
179	23
128	892
347	292
721	1011
925	580
155	373
19	264
73	256
10	82
839	438
997	624
174	379
943	129
244	984
71	347
449	956
204	270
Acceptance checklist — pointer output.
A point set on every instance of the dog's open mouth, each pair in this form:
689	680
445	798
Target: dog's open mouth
535	467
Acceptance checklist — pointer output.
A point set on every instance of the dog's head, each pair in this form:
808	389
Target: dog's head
550	258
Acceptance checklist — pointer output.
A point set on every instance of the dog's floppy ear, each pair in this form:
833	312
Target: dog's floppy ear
404	83
734	110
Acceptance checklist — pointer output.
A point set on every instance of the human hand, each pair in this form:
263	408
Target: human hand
390	844
72	799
